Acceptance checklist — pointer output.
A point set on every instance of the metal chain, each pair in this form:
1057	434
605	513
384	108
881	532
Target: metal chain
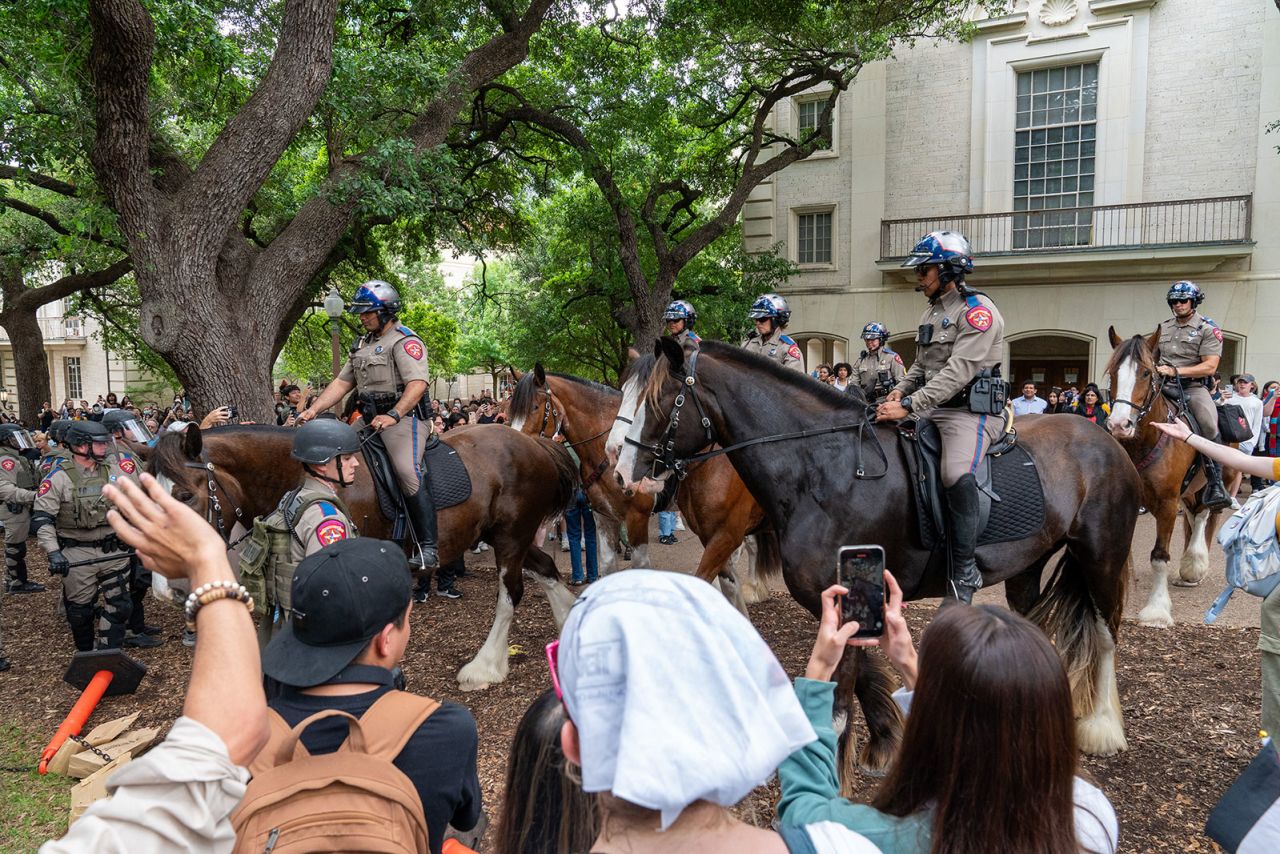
100	753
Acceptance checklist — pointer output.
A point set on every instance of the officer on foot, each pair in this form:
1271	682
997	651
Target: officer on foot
680	317
312	514
388	368
70	521
1188	353
955	378
17	490
878	368
58	453
771	315
126	431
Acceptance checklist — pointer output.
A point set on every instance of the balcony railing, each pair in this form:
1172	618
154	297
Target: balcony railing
1188	222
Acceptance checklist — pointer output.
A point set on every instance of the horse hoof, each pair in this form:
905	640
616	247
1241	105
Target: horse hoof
472	686
1161	622
1183	582
1098	737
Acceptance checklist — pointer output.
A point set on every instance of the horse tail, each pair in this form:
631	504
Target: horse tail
768	554
568	478
1066	613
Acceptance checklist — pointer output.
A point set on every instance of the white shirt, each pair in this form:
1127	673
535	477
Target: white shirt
1034	406
1252	407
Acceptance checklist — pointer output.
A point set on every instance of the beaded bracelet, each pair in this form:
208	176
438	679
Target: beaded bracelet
212	592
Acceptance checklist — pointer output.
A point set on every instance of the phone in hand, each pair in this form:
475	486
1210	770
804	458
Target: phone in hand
860	570
232	412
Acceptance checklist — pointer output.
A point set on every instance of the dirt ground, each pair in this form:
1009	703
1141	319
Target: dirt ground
1190	694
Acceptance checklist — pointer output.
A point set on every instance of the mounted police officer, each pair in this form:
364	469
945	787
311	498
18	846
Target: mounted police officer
310	516
1188	353
771	315
127	430
388	369
878	368
17	490
680	317
70	521
955	379
58	453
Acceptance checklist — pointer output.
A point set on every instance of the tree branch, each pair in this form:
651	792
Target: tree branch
31	299
35	179
54	223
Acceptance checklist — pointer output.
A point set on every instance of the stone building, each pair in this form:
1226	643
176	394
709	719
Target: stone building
1093	151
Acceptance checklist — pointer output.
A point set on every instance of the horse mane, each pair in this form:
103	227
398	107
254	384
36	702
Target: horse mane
659	370
1135	348
167	457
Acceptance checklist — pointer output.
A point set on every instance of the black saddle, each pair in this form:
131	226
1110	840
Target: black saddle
443	473
1010	496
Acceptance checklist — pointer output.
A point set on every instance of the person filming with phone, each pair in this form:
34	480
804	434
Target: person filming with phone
988	760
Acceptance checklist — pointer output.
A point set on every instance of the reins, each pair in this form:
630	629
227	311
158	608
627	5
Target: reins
664	454
214	516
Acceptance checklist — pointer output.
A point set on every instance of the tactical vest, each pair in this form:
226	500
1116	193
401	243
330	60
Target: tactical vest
88	507
266	560
24	472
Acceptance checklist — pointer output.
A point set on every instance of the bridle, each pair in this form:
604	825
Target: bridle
1153	391
550	414
664	450
214	515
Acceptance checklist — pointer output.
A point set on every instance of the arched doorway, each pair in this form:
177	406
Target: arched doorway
905	346
821	348
1050	358
1232	361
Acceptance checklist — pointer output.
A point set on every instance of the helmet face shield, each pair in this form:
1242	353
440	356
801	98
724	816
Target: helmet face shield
19	439
133	430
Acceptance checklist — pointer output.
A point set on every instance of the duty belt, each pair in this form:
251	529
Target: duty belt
109	543
382	401
961	399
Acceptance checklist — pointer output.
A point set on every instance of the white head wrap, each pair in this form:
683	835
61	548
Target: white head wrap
675	695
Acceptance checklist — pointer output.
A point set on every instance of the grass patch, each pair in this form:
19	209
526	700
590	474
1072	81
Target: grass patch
33	809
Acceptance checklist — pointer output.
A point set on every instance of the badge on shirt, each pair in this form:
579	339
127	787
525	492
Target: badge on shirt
127	466
377	350
979	317
414	348
794	352
6	464
331	531
946	321
45	486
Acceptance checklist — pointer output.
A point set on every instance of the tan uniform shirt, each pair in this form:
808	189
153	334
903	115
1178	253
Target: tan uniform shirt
385	364
778	347
866	371
58	491
965	339
1183	345
17	479
322	524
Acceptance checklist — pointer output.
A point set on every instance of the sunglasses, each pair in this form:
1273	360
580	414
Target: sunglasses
553	661
1178	301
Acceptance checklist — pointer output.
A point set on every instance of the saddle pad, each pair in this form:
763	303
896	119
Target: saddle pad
449	481
1018	514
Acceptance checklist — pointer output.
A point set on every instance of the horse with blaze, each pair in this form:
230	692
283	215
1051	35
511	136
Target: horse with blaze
819	494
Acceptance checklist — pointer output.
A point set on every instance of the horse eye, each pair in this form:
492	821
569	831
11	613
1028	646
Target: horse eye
183	496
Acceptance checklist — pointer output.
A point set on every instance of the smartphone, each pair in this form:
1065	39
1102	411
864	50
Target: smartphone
232	412
861	572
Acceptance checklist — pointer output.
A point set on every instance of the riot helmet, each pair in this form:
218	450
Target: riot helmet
1185	290
123	424
321	440
58	430
681	309
771	305
948	250
82	433
376	295
16	436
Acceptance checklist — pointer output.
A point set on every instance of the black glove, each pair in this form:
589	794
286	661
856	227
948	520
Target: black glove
58	564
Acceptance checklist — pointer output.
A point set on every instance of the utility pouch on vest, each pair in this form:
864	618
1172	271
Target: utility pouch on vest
924	333
988	394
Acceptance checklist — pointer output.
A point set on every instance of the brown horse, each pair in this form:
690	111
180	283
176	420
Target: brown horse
713	499
234	474
1137	403
846	481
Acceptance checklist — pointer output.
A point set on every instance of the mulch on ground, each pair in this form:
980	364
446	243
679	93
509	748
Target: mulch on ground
1191	695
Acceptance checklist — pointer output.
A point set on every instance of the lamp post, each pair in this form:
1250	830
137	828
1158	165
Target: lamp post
4	398
333	306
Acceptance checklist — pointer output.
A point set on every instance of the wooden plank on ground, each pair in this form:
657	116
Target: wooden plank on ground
101	734
94	787
87	762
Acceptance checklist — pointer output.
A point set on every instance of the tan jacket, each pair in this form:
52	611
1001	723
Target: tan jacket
866	371
1187	344
17	478
968	336
322	524
780	348
58	497
385	364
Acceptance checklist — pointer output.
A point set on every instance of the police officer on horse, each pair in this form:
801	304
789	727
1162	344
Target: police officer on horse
1188	354
771	315
388	370
680	317
955	379
878	368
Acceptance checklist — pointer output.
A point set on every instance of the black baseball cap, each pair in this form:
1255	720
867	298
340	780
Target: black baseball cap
342	596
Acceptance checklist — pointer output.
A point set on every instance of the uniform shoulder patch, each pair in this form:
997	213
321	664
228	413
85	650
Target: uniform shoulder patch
331	531
786	339
694	337
404	330
897	358
1217	333
45	485
7	464
327	508
127	465
980	317
413	347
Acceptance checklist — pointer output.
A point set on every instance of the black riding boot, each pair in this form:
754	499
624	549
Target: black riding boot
81	620
1214	495
422	516
962	503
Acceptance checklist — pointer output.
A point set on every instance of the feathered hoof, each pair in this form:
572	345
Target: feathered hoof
1100	736
1184	582
1155	618
476	677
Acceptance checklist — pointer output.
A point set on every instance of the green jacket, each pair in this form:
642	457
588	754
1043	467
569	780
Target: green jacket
811	785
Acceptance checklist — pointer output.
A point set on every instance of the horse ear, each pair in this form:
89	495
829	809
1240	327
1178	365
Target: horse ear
192	442
667	346
1113	337
1153	340
516	373
539	374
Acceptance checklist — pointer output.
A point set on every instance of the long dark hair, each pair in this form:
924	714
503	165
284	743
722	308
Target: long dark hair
990	743
543	811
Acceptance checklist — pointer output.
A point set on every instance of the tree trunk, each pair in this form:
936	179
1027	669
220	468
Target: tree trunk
30	367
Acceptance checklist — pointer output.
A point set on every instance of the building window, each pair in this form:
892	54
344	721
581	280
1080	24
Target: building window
71	367
1054	156
813	238
809	117
74	327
